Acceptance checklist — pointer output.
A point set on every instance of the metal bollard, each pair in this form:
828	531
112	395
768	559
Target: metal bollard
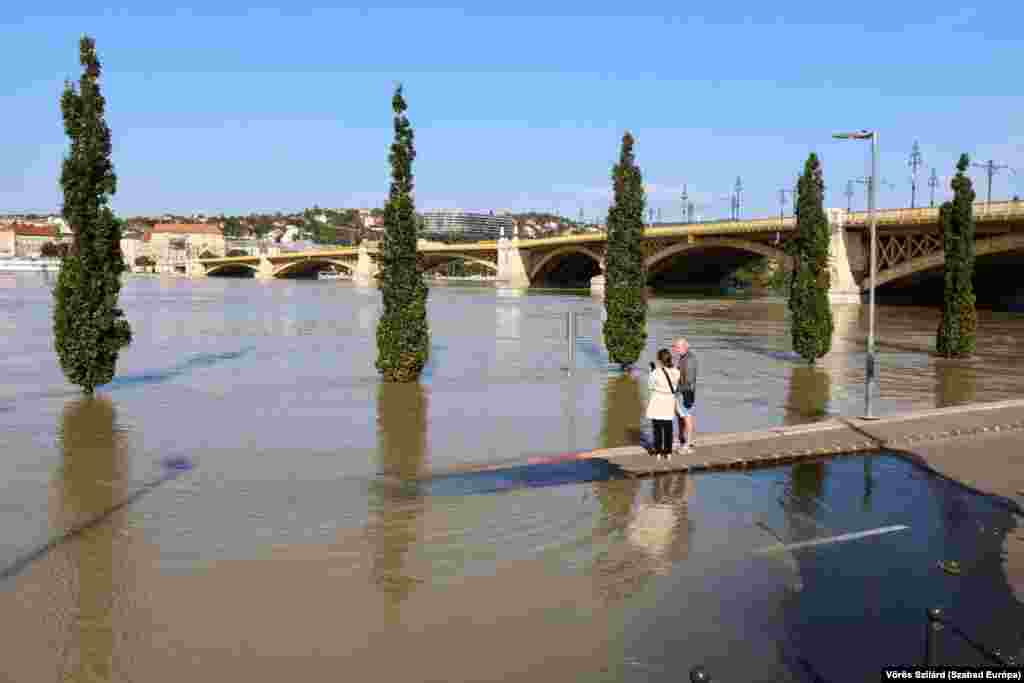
931	642
699	675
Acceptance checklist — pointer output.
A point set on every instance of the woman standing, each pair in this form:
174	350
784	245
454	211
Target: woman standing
661	407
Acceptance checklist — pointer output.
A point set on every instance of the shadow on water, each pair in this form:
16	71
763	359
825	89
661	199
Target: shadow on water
520	476
396	496
94	480
201	360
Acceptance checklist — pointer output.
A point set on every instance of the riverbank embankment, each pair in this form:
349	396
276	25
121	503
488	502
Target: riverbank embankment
979	445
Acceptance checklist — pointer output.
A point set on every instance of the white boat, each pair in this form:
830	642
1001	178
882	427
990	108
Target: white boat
330	275
29	264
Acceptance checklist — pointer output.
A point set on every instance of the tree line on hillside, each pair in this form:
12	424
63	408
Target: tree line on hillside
90	329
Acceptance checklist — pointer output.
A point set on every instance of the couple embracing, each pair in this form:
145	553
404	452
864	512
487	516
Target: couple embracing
673	394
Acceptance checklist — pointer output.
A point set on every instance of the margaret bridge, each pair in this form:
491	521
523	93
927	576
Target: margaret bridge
909	242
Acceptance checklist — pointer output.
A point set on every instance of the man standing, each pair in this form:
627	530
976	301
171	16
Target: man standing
687	365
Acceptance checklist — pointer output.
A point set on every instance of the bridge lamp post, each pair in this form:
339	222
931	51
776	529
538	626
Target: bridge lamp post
869	366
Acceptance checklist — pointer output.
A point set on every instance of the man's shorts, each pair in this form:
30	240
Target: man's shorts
682	410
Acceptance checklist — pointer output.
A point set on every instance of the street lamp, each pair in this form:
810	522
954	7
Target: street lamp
869	366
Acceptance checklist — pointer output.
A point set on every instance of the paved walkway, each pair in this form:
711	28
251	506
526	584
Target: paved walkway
980	445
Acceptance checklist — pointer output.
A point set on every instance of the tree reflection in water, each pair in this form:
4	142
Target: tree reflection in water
93	478
396	502
955	383
810	390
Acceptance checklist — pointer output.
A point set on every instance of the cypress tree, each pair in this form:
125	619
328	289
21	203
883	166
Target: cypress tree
811	320
959	322
88	327
403	338
625	326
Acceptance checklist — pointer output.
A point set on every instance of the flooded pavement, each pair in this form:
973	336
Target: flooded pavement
310	536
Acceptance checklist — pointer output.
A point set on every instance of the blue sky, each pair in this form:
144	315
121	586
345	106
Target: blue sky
520	105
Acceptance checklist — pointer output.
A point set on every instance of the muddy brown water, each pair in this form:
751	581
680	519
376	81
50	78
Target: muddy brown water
306	540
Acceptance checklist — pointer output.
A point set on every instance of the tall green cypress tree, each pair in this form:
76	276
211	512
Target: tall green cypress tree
88	327
403	338
811	320
959	322
625	327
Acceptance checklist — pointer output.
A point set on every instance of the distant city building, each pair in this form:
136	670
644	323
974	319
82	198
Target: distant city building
171	245
454	223
25	239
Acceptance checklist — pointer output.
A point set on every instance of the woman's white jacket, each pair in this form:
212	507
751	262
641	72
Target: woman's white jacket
662	403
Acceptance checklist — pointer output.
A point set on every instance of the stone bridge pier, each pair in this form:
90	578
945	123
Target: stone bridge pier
512	269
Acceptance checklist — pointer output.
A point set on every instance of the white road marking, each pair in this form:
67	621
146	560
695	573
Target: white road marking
832	539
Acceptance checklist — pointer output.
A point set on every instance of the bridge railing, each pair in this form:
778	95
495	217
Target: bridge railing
929	214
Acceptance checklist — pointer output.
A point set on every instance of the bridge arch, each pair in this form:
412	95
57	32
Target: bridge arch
721	242
230	266
308	262
563	251
992	245
461	257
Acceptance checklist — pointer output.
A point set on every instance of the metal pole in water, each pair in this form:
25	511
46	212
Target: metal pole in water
570	334
699	674
931	642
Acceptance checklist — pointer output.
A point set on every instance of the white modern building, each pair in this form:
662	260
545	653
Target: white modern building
455	223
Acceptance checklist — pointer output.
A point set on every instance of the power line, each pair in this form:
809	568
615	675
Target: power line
991	168
915	161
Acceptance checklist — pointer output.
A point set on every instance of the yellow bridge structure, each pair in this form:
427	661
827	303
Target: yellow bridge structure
909	242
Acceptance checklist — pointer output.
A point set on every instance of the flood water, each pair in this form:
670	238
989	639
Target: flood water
246	501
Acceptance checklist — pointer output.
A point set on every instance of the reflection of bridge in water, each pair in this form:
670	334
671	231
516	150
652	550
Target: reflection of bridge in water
909	243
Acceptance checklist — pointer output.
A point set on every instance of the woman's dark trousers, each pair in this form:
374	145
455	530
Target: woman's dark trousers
662	436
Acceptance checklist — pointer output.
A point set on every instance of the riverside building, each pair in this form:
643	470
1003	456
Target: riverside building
464	226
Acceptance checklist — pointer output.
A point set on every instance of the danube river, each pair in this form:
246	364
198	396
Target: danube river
311	538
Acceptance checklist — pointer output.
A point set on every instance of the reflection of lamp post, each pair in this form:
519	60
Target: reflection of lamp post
869	368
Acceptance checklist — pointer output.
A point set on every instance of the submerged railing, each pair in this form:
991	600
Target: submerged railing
937	621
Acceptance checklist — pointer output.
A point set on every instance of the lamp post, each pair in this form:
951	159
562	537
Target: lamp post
869	365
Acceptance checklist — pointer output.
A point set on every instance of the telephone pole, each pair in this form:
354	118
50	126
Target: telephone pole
866	182
736	198
991	168
849	196
782	209
914	162
933	182
687	206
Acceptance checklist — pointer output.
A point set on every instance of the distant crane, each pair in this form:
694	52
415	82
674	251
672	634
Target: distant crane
991	168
